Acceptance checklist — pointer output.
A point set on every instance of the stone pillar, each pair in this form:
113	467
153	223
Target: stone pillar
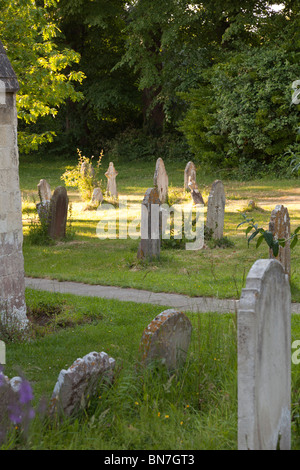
12	283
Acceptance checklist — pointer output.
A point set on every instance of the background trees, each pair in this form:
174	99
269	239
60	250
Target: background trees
212	78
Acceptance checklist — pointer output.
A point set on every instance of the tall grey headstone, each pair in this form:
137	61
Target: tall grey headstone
58	213
216	209
280	226
166	339
111	175
189	174
161	180
264	359
12	282
150	243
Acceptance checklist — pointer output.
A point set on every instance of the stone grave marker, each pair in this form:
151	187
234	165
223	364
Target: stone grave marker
166	339
111	175
196	195
216	210
161	180
58	213
264	359
150	243
44	190
189	174
12	281
280	226
80	381
97	196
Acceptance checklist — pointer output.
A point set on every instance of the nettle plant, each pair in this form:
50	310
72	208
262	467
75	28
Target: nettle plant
266	236
84	176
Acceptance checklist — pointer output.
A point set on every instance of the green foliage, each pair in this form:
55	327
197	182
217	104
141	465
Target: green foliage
44	70
265	235
83	176
242	115
135	144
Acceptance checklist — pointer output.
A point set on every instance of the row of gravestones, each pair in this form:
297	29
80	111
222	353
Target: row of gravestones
151	219
264	362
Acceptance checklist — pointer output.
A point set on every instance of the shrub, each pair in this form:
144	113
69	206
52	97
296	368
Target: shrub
84	176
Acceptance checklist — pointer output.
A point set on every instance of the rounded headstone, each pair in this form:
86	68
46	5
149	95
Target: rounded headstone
166	339
264	359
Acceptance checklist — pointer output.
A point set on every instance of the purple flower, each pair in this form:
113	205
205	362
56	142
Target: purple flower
25	392
15	413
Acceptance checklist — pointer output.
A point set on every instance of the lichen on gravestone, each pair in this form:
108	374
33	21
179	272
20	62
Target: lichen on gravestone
80	381
166	339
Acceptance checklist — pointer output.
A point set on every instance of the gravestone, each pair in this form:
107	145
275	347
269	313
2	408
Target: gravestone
87	170
166	339
280	226
196	195
264	359
12	282
58	213
161	180
189	174
97	196
149	247
111	175
75	385
216	210
44	190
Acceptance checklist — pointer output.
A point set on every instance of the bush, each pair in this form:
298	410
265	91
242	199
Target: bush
84	176
241	118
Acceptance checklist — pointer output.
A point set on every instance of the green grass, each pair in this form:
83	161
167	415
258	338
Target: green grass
218	272
194	408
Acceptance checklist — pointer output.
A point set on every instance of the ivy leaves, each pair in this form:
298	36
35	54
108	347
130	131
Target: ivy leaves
265	235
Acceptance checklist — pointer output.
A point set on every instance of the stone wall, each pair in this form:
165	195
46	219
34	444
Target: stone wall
12	284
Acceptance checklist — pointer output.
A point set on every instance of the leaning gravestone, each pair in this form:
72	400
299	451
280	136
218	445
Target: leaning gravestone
216	209
264	359
111	175
58	213
166	339
75	385
280	227
189	174
44	190
161	180
196	195
150	243
12	282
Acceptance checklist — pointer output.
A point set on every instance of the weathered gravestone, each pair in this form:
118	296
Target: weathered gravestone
111	175
58	213
216	210
196	195
12	283
97	196
87	170
44	191
161	180
189	174
280	227
80	381
264	359
166	339
150	243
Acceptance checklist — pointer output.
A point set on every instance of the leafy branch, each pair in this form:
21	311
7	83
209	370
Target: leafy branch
265	235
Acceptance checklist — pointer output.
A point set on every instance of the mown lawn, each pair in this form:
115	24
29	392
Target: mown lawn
218	271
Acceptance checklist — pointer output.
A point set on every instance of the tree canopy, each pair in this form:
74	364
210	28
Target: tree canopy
217	75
